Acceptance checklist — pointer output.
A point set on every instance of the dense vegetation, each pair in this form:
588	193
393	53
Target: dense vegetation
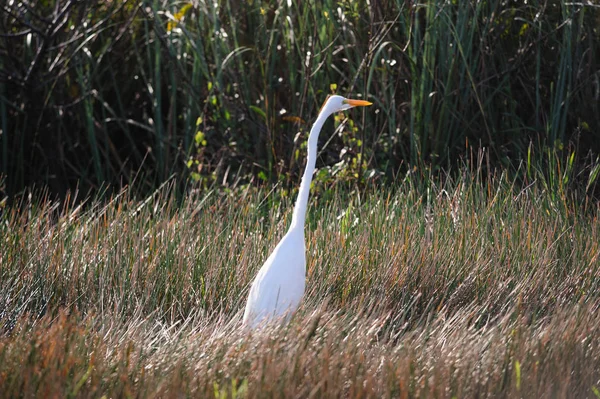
108	93
477	289
453	240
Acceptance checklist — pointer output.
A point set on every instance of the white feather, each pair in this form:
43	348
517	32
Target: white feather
279	285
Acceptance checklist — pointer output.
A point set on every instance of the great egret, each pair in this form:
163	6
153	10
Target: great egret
279	285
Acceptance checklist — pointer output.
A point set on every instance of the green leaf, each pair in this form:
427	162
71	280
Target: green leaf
200	139
259	111
593	175
524	29
518	374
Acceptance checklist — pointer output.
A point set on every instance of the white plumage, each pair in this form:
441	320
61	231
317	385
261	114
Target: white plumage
279	285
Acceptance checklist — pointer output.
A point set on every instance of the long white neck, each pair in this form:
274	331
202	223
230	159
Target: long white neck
302	202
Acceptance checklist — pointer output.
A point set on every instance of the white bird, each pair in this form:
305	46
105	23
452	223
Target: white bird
279	285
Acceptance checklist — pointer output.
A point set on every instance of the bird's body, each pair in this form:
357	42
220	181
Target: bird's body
279	285
285	287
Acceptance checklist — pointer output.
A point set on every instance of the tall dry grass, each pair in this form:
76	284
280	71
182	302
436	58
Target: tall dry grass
468	288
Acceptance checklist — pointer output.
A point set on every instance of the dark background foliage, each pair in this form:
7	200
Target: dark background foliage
112	93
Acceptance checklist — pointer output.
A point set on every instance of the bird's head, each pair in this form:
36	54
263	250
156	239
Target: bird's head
338	103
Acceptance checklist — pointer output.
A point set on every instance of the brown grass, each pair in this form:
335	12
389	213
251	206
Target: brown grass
471	290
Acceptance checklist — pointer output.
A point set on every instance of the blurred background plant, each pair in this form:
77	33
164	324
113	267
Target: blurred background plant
97	94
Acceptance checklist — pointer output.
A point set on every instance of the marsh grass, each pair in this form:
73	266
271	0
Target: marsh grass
473	287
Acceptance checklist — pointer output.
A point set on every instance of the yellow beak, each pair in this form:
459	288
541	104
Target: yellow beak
358	103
